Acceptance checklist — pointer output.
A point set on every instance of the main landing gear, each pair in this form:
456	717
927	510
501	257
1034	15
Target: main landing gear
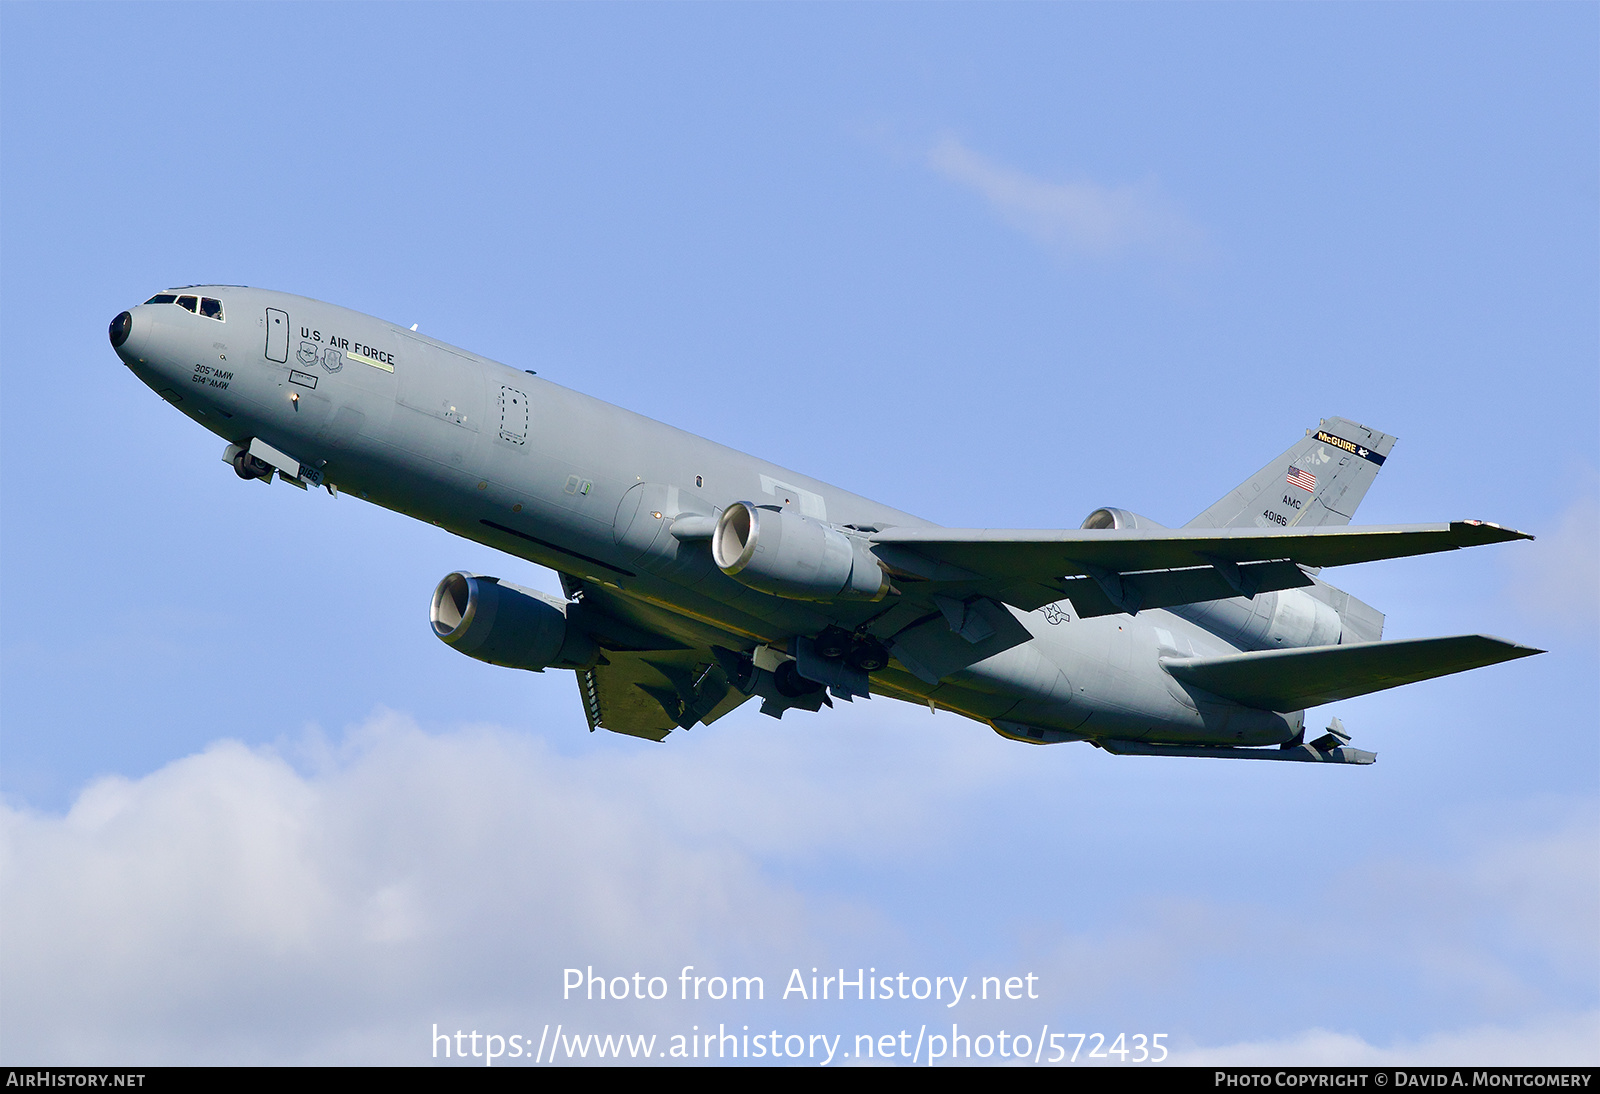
861	652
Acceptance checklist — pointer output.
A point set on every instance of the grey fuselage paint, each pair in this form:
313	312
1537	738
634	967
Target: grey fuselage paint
566	481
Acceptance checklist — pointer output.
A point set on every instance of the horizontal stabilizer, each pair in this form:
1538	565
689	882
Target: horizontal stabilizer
1295	679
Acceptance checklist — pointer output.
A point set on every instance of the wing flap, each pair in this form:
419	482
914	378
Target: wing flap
1110	593
1295	679
649	694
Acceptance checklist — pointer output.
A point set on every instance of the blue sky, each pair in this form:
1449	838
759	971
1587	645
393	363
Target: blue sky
995	265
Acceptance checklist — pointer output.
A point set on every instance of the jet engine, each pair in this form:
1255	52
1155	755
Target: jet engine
1118	518
502	624
1290	618
1286	619
784	553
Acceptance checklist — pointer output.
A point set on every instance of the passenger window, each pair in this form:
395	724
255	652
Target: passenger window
163	298
210	308
188	302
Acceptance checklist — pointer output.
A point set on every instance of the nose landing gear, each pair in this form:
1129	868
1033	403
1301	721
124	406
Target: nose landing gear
247	466
792	684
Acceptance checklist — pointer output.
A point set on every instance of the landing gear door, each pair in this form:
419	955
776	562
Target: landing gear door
278	336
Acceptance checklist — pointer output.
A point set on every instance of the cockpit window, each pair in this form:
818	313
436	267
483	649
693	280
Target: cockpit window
208	306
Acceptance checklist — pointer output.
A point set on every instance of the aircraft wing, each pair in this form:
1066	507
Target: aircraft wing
1105	571
1295	679
646	683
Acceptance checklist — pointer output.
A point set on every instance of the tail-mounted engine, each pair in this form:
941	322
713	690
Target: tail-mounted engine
781	552
503	624
1118	518
1288	619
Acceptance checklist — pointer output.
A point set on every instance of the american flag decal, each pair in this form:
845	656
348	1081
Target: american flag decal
1305	480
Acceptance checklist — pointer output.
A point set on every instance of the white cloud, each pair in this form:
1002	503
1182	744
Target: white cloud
1560	1040
1549	888
1530	892
1505	927
1556	578
1072	218
230	907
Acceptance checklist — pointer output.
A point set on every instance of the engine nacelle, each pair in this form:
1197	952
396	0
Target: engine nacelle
781	552
506	625
1286	619
1300	619
1118	518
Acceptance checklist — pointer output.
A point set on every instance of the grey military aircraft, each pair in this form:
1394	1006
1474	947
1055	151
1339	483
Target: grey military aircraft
697	577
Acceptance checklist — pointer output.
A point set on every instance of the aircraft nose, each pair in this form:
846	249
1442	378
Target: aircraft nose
121	327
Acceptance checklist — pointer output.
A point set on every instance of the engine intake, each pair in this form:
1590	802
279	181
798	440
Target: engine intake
781	552
505	625
1118	518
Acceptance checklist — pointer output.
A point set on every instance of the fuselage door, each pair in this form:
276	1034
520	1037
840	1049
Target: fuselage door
513	415
278	336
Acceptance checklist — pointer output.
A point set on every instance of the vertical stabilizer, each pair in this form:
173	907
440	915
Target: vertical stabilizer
1319	480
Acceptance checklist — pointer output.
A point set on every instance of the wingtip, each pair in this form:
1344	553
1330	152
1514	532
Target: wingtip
1513	650
1509	533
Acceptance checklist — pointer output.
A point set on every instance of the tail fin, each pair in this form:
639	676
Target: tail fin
1319	480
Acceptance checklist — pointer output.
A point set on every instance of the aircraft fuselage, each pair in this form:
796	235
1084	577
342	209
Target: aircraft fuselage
508	459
